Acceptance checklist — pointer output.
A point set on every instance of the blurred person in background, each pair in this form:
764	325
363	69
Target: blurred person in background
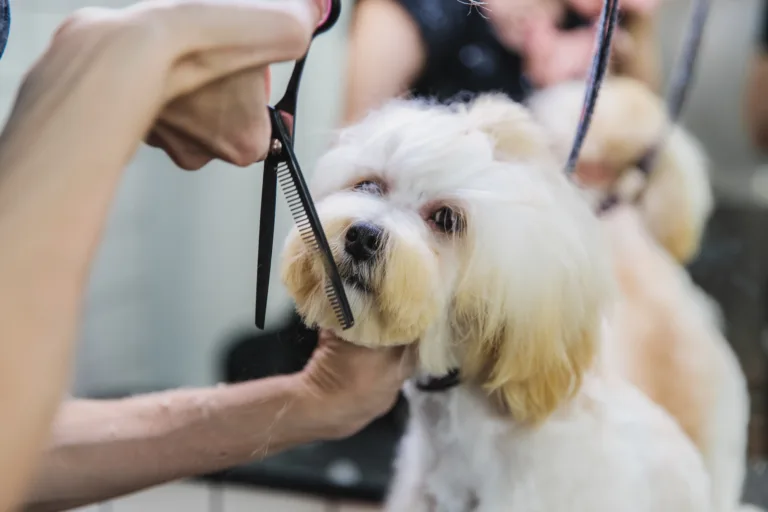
441	49
191	78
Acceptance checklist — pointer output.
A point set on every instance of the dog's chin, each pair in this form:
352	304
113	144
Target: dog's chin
358	284
393	300
358	277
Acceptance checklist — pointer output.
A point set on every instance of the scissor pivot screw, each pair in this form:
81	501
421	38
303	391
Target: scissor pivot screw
276	147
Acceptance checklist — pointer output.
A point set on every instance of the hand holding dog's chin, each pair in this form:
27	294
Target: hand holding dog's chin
347	386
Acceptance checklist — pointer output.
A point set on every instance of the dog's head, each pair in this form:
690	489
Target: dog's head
629	120
455	230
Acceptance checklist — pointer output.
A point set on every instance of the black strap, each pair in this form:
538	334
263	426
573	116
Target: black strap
443	383
605	28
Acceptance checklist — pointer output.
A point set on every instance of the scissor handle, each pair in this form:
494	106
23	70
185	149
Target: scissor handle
287	103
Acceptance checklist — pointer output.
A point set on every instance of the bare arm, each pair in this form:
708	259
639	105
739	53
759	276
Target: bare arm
78	119
106	448
103	449
51	216
386	54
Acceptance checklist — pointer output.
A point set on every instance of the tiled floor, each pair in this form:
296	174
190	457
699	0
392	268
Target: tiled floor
200	497
196	497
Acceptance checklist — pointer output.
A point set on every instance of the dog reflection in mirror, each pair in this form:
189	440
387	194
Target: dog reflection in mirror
456	232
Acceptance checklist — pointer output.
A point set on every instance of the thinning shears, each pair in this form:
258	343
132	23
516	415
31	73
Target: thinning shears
281	165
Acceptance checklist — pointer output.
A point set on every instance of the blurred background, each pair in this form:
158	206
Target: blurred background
173	286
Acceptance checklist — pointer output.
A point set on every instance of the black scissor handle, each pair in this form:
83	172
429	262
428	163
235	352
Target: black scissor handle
287	103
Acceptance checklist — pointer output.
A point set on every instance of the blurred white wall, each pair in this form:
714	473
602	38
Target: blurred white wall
176	273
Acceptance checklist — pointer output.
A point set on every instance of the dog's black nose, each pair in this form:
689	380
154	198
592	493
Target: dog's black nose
363	240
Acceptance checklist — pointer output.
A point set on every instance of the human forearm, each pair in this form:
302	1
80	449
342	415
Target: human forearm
60	160
102	449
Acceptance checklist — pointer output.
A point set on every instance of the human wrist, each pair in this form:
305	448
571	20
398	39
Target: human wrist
318	410
255	419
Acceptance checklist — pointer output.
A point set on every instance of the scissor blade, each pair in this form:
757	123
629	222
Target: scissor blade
266	238
309	226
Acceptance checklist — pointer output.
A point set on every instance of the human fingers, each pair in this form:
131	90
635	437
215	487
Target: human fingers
229	117
360	367
592	8
587	8
553	55
242	33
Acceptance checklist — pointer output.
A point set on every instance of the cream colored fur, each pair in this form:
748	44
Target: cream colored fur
671	345
518	297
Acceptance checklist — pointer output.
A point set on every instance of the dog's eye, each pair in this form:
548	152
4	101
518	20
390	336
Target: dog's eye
368	187
447	220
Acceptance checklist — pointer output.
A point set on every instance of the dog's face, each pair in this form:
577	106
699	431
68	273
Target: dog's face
454	230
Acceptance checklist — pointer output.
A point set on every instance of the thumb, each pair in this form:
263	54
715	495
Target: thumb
244	34
275	31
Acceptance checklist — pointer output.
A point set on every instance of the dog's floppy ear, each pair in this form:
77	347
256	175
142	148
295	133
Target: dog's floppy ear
528	361
510	126
526	316
678	200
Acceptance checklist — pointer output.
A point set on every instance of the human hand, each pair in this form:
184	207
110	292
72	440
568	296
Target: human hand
591	8
349	386
554	55
226	119
200	67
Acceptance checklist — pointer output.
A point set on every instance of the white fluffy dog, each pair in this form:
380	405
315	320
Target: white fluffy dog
456	232
668	341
